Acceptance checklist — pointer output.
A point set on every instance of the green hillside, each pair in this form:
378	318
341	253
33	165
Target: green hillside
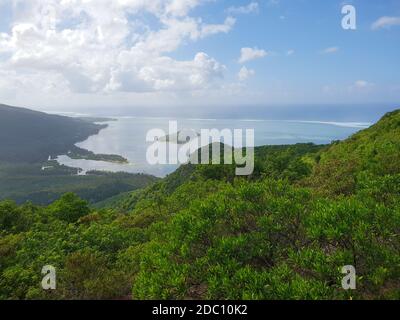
29	136
283	233
292	162
373	152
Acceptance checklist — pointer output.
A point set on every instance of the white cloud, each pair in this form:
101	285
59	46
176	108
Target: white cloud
165	74
179	7
330	50
385	22
98	46
252	7
360	87
211	29
361	84
290	52
245	73
248	54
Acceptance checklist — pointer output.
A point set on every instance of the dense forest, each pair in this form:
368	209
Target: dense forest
201	233
27	182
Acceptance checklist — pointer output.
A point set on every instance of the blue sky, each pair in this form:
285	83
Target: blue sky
187	52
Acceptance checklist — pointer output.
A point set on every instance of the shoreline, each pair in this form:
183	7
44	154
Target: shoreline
78	153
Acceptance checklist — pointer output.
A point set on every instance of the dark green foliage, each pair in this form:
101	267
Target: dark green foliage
69	208
286	162
87	275
28	136
27	182
14	219
79	153
85	253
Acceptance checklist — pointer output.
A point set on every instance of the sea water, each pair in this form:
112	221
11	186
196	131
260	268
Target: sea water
127	137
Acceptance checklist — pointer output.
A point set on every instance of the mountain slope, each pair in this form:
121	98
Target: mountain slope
268	238
30	136
291	162
375	150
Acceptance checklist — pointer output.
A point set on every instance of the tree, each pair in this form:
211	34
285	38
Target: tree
70	208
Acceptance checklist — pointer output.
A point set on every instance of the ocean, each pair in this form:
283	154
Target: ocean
127	137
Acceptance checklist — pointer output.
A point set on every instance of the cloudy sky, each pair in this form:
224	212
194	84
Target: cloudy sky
60	53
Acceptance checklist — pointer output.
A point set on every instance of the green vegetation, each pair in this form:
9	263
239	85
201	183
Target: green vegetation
201	233
374	152
79	153
28	182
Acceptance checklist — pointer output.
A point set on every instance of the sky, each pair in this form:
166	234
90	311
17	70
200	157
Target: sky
56	54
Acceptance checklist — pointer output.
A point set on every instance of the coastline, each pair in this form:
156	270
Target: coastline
78	153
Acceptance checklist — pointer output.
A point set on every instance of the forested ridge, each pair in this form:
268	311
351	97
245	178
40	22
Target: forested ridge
28	136
201	233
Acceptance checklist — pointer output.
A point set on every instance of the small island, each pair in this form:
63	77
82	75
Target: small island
181	137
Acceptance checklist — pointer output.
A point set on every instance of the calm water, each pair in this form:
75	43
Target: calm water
127	137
